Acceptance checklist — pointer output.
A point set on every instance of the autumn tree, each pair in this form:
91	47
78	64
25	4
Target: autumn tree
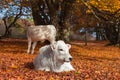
12	10
82	19
108	16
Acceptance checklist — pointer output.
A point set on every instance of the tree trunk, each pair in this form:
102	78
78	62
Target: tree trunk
38	11
17	16
63	34
111	34
119	34
64	20
6	34
85	36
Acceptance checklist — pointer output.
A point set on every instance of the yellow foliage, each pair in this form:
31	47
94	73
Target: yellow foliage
88	11
107	5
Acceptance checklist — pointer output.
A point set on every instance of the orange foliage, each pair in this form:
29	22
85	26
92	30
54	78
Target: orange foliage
107	5
92	62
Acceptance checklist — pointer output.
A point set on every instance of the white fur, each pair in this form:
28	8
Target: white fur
54	58
40	33
66	67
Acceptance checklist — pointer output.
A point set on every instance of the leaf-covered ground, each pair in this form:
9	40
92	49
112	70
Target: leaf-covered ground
92	62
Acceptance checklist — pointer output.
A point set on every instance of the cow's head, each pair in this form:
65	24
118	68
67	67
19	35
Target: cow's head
61	51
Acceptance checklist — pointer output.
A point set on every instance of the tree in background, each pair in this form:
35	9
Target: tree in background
11	10
108	15
83	19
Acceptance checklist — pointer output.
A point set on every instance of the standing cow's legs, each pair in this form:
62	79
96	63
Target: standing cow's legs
29	45
33	47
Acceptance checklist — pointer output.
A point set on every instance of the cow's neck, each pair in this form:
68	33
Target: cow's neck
56	63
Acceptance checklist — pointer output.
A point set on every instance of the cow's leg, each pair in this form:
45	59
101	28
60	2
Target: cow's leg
33	47
29	45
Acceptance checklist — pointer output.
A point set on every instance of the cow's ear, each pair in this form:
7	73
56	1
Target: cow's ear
53	46
69	46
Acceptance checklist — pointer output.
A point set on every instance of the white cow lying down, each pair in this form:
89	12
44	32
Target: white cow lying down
55	58
40	33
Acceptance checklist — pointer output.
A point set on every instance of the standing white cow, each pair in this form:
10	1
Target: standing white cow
54	58
40	33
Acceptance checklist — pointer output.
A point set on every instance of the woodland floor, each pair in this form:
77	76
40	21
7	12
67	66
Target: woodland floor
92	62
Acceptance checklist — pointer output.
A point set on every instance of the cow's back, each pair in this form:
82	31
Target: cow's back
41	32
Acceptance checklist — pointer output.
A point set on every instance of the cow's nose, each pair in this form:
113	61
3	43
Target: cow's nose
70	59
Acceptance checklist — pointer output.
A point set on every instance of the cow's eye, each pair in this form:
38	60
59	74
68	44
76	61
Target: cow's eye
60	49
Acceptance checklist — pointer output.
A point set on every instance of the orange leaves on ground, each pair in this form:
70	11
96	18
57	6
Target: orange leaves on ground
92	62
14	66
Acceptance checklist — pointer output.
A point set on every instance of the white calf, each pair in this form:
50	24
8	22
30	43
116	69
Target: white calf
54	58
40	33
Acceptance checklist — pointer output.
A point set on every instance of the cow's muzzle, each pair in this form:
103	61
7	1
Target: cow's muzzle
68	60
